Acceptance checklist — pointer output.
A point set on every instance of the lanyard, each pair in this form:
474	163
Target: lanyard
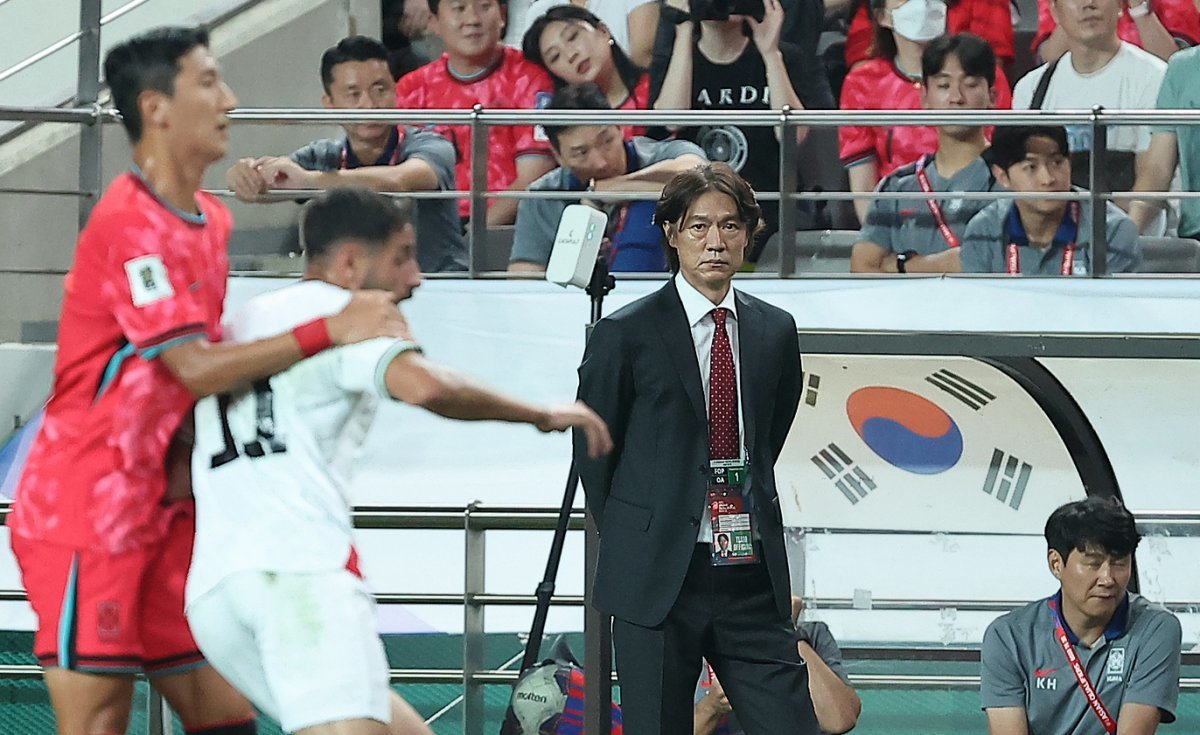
1085	684
934	206
1012	258
395	157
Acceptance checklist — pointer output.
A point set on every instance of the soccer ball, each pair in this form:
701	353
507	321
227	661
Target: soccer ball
538	700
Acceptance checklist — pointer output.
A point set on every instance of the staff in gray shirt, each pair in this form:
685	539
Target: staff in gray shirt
378	156
1126	649
915	235
834	700
596	158
1046	237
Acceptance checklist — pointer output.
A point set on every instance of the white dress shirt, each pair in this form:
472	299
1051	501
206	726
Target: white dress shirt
698	310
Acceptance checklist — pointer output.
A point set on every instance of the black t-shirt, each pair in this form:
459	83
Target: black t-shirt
752	151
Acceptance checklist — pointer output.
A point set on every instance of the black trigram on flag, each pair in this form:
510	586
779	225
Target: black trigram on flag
846	476
973	395
1006	478
810	393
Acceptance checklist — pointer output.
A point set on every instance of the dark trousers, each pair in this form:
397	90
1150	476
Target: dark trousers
728	616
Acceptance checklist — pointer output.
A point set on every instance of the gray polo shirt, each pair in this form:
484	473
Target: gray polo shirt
537	219
823	643
899	225
1136	661
989	233
440	244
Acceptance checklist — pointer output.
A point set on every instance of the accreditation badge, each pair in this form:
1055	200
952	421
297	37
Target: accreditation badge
732	523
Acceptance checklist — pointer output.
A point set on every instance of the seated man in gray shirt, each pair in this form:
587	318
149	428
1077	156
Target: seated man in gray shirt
836	703
596	158
901	235
1092	658
378	156
1045	237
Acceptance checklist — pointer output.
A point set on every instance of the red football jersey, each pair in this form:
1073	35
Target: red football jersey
991	20
146	277
1180	17
512	84
638	99
877	84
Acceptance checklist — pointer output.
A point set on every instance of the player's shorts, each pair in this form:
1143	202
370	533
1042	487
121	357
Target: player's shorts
106	613
301	646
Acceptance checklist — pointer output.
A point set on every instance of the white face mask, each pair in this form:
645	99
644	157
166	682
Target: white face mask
920	20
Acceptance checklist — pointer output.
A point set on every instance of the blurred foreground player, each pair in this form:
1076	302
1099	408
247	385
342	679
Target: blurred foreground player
103	547
274	594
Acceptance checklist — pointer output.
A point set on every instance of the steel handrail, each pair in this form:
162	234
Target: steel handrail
67	41
683	118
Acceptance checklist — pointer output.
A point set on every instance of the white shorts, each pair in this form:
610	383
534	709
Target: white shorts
301	646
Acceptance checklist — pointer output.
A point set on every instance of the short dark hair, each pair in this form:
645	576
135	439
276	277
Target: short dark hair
1097	522
973	53
531	43
682	191
351	213
148	61
434	4
1010	143
586	96
351	48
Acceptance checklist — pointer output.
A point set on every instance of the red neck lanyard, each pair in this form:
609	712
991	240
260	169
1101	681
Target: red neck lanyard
1085	684
1013	256
395	157
934	207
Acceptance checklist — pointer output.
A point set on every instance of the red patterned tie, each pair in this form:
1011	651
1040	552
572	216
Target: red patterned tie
722	394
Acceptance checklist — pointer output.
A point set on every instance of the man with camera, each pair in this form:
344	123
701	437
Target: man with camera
736	61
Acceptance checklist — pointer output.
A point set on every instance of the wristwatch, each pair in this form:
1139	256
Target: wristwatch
674	15
1139	10
902	258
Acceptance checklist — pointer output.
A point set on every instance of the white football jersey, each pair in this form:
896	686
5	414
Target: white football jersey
272	462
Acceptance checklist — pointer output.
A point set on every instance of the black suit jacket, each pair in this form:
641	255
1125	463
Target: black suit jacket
640	374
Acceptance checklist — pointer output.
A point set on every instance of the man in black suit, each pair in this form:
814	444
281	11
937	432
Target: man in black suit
699	415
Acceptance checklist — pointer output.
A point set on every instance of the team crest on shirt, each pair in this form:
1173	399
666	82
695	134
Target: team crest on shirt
108	620
148	281
1115	669
540	102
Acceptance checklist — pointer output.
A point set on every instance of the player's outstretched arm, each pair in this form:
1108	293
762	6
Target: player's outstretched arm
411	378
206	368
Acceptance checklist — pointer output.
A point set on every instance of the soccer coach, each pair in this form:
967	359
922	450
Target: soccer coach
699	384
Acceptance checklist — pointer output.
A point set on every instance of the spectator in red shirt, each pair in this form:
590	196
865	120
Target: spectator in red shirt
991	20
891	80
1161	27
477	70
575	47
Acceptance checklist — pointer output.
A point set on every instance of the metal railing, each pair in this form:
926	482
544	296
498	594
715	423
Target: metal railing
476	520
480	121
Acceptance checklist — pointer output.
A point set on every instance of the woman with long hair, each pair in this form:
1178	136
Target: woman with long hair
575	46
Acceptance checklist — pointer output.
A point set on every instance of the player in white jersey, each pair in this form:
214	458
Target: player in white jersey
274	596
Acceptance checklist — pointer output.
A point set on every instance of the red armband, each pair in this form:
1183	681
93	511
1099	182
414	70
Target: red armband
313	337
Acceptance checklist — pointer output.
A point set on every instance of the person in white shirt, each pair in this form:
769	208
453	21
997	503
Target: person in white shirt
1097	69
274	595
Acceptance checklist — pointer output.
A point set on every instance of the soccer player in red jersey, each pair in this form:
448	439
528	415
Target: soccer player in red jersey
477	70
103	546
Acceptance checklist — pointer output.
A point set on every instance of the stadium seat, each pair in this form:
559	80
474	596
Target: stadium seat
1170	255
817	251
492	255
